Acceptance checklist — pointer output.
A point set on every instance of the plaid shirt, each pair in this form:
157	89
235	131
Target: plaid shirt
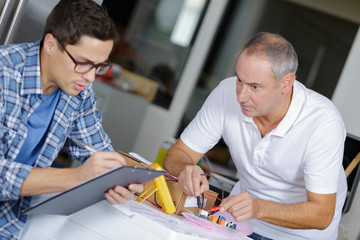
20	93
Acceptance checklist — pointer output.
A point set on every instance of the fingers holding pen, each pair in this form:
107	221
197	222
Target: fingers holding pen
98	163
107	160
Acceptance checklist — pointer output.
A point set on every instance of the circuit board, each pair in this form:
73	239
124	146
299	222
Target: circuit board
217	225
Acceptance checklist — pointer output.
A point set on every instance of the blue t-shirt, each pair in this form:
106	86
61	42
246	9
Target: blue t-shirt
38	124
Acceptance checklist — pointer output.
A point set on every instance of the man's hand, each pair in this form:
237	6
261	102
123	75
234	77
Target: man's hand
120	195
181	161
192	181
61	179
241	206
316	213
98	163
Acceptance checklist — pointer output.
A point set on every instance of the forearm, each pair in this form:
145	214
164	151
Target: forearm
49	180
176	160
307	215
316	213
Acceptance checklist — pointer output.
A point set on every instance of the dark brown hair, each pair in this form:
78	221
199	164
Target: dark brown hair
71	19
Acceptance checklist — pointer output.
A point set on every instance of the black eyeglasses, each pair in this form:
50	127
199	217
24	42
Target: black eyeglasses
85	67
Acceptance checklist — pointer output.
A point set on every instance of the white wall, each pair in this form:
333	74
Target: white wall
347	93
242	27
347	98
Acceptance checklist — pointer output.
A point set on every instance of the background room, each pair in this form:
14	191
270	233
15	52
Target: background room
172	53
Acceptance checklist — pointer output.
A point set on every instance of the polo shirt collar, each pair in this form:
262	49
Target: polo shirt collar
297	101
31	79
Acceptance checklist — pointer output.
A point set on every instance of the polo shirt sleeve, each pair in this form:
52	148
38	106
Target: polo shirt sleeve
324	156
205	130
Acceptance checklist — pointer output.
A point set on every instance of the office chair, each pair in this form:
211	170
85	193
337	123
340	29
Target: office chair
352	169
352	165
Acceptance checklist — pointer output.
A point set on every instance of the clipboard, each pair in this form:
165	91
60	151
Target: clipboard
92	191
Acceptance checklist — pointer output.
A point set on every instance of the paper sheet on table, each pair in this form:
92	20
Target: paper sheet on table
175	222
147	162
132	207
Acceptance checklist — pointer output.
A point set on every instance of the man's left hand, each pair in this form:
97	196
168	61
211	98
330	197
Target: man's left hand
120	195
241	206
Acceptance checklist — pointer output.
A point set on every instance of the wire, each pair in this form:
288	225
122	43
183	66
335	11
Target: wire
153	203
200	202
207	160
156	205
155	200
171	180
171	176
213	196
221	185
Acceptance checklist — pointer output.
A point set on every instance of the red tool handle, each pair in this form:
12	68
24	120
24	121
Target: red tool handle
214	209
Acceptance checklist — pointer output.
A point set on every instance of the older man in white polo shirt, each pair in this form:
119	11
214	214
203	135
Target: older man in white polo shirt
286	141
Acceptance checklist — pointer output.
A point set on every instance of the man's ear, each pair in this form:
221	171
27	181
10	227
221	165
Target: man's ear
287	83
50	43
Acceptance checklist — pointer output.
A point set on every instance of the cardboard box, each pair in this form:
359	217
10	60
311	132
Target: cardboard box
182	201
132	161
140	85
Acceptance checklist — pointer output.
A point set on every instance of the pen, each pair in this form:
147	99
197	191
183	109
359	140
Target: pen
87	147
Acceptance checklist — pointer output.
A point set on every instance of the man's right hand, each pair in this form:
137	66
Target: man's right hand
101	162
61	179
98	163
181	161
193	181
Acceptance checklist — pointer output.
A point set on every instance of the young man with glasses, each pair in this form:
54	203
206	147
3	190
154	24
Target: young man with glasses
46	101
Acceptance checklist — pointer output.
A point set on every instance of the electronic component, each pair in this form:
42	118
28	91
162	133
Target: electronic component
161	187
217	225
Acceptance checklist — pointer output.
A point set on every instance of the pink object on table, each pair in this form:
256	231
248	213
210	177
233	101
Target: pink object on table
242	229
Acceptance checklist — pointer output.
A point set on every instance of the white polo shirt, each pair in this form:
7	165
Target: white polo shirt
304	151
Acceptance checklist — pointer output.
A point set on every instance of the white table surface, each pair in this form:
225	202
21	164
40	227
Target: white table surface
105	221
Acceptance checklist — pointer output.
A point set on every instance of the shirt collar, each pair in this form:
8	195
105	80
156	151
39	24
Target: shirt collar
31	79
297	102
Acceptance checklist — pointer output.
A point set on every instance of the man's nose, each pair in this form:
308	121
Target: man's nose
90	75
243	93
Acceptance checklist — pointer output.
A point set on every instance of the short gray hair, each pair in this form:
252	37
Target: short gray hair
278	50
